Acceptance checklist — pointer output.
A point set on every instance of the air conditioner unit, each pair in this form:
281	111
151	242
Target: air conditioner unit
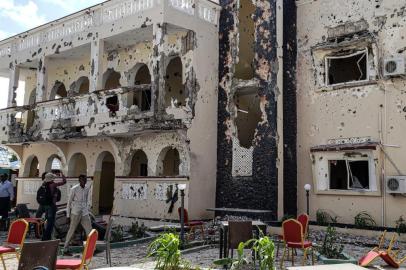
394	66
396	184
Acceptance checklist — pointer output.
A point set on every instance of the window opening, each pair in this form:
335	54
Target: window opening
349	174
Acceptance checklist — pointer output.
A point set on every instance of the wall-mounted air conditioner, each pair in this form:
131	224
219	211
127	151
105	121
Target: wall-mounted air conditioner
394	66
395	184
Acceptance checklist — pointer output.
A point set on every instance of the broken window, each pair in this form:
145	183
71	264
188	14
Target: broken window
174	88
244	68
113	104
139	164
349	174
248	117
347	68
111	79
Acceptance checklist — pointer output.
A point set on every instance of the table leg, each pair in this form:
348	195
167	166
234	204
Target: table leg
221	242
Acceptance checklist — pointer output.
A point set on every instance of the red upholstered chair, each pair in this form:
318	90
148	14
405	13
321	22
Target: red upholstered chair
15	239
293	238
304	220
88	251
192	225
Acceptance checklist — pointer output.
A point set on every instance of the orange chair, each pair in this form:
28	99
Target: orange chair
304	220
88	251
373	254
191	224
15	239
293	238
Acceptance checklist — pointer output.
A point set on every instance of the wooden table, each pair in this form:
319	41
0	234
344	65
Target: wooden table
240	211
257	226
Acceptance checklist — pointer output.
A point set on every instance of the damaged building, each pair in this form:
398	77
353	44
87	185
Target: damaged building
245	101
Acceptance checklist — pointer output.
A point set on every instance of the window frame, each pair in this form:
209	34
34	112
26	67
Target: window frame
347	163
358	52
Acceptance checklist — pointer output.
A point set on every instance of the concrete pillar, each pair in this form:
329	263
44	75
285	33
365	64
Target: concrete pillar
12	86
42	79
158	72
96	73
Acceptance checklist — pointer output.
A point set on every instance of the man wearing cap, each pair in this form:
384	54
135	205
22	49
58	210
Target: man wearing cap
49	207
6	196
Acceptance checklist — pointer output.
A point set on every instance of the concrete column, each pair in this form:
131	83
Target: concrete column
96	73
12	86
42	79
158	73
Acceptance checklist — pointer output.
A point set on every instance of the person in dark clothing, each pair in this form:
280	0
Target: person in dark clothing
6	196
41	208
49	207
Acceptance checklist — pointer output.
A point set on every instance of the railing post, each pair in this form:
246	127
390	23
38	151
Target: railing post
96	72
13	85
42	79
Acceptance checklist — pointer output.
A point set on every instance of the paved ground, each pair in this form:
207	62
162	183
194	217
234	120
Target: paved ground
135	255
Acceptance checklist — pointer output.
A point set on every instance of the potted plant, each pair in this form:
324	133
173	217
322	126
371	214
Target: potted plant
331	252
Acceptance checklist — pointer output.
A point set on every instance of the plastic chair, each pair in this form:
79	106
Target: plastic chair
238	231
107	240
39	254
293	238
191	224
88	251
15	239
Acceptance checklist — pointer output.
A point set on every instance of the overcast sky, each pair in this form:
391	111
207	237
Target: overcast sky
17	16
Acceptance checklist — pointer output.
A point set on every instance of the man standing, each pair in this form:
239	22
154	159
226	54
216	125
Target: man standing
6	196
77	210
47	197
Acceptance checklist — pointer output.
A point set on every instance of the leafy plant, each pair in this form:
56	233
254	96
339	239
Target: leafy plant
401	225
323	218
137	231
117	234
166	251
234	264
263	250
330	248
364	220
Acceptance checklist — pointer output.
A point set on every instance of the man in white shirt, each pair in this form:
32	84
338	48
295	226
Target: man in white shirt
6	196
77	211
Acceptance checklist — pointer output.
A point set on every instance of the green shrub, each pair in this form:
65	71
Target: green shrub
364	220
117	234
330	248
323	218
137	231
166	251
401	225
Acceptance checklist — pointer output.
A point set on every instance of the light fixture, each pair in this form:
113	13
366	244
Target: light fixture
182	186
307	187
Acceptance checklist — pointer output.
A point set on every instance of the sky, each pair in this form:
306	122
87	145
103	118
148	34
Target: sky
17	16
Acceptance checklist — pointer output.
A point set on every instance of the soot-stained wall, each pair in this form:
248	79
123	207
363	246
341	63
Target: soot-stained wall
259	191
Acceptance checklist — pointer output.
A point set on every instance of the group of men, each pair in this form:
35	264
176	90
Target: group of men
77	209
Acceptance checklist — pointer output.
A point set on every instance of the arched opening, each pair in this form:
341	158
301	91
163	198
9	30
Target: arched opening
81	86
31	113
54	164
168	162
111	79
104	182
77	165
174	89
139	164
58	91
140	75
31	168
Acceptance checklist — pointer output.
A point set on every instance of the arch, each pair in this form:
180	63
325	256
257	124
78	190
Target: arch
104	179
54	163
139	75
58	91
169	162
139	164
31	167
77	165
111	79
174	88
80	86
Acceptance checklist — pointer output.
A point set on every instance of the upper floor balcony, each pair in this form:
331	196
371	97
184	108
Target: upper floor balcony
120	67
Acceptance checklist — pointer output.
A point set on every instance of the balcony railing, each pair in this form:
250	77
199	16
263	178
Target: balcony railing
99	15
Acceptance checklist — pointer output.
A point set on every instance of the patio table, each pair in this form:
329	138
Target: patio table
256	226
